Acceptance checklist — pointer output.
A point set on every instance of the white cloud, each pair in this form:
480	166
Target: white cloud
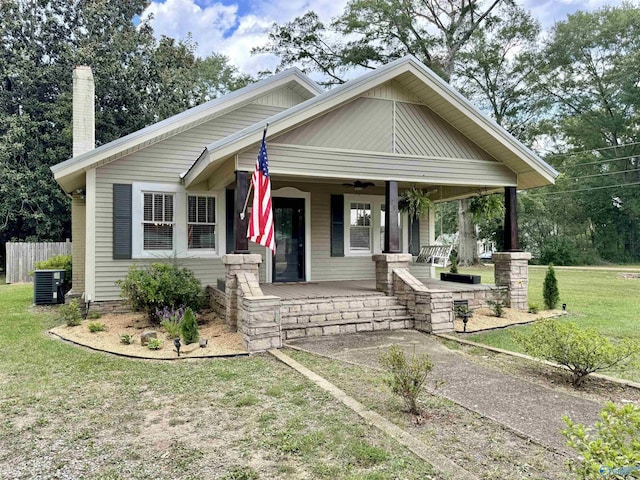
220	28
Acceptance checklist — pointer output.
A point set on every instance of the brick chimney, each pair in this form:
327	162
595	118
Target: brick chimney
84	123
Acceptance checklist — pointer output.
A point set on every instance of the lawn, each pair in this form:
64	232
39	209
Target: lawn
68	412
595	298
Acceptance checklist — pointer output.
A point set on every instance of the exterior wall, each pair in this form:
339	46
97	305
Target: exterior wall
78	226
162	162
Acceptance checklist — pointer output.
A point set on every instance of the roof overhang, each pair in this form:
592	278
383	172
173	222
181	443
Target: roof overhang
531	170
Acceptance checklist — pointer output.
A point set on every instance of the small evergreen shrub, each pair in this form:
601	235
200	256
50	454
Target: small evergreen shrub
454	263
406	377
189	327
94	315
57	262
171	320
154	344
71	314
498	305
95	327
609	449
550	289
462	311
534	308
161	285
126	339
581	351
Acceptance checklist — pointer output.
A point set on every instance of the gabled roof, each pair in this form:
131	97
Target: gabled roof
66	173
425	84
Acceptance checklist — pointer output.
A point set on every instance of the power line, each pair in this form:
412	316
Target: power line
584	189
603	161
593	150
602	174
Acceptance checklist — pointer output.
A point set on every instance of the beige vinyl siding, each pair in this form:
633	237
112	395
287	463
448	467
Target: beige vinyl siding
78	235
284	97
364	124
348	164
162	162
419	131
392	90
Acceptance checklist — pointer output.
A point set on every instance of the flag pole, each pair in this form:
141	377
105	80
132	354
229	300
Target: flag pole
246	200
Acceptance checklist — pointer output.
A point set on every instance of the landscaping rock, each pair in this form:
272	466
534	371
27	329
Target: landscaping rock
146	336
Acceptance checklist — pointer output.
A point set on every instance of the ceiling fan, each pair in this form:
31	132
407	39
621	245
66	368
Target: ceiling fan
358	185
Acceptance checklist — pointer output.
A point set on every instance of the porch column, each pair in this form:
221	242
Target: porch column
240	225
511	220
391	229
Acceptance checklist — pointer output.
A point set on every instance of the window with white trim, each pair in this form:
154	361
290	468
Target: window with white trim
201	222
360	227
158	221
364	225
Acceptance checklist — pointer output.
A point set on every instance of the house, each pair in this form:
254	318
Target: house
337	160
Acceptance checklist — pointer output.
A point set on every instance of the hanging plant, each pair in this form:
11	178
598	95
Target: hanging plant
486	207
415	202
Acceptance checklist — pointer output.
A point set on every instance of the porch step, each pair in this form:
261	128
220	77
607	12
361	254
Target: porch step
316	329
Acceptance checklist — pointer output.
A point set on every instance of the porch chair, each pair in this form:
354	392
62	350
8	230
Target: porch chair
436	255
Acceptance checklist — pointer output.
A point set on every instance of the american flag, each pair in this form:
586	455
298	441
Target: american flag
261	221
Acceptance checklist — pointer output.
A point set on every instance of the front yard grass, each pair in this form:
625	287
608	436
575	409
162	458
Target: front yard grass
594	298
68	412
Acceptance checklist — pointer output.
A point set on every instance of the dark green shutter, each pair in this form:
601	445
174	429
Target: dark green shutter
121	221
337	225
415	237
230	207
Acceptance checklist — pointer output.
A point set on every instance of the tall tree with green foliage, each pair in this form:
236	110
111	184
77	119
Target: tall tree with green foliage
590	70
139	80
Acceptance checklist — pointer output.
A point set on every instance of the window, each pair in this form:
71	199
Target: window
201	222
364	225
158	222
360	227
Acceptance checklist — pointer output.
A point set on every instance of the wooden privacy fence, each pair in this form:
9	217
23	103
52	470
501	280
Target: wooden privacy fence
21	257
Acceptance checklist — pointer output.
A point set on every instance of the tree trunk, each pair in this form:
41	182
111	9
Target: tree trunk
467	239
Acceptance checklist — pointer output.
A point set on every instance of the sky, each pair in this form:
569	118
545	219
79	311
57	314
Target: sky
235	27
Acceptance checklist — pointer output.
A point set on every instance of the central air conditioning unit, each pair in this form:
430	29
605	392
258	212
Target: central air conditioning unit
48	287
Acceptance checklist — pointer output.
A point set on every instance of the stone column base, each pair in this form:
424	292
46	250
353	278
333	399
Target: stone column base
233	264
512	271
385	264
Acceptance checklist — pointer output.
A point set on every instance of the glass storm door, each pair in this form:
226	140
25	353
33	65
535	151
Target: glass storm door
288	261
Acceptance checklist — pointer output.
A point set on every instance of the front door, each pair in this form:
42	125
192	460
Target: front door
288	261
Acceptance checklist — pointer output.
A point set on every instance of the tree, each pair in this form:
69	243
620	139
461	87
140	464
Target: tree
138	81
590	71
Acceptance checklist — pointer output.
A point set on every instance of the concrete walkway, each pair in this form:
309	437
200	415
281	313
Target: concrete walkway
524	407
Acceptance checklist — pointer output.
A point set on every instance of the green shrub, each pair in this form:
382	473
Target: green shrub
581	351
57	262
95	327
454	263
499	304
463	310
406	377
161	285
94	315
550	289
126	339
609	449
154	344
534	308
71	314
189	327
